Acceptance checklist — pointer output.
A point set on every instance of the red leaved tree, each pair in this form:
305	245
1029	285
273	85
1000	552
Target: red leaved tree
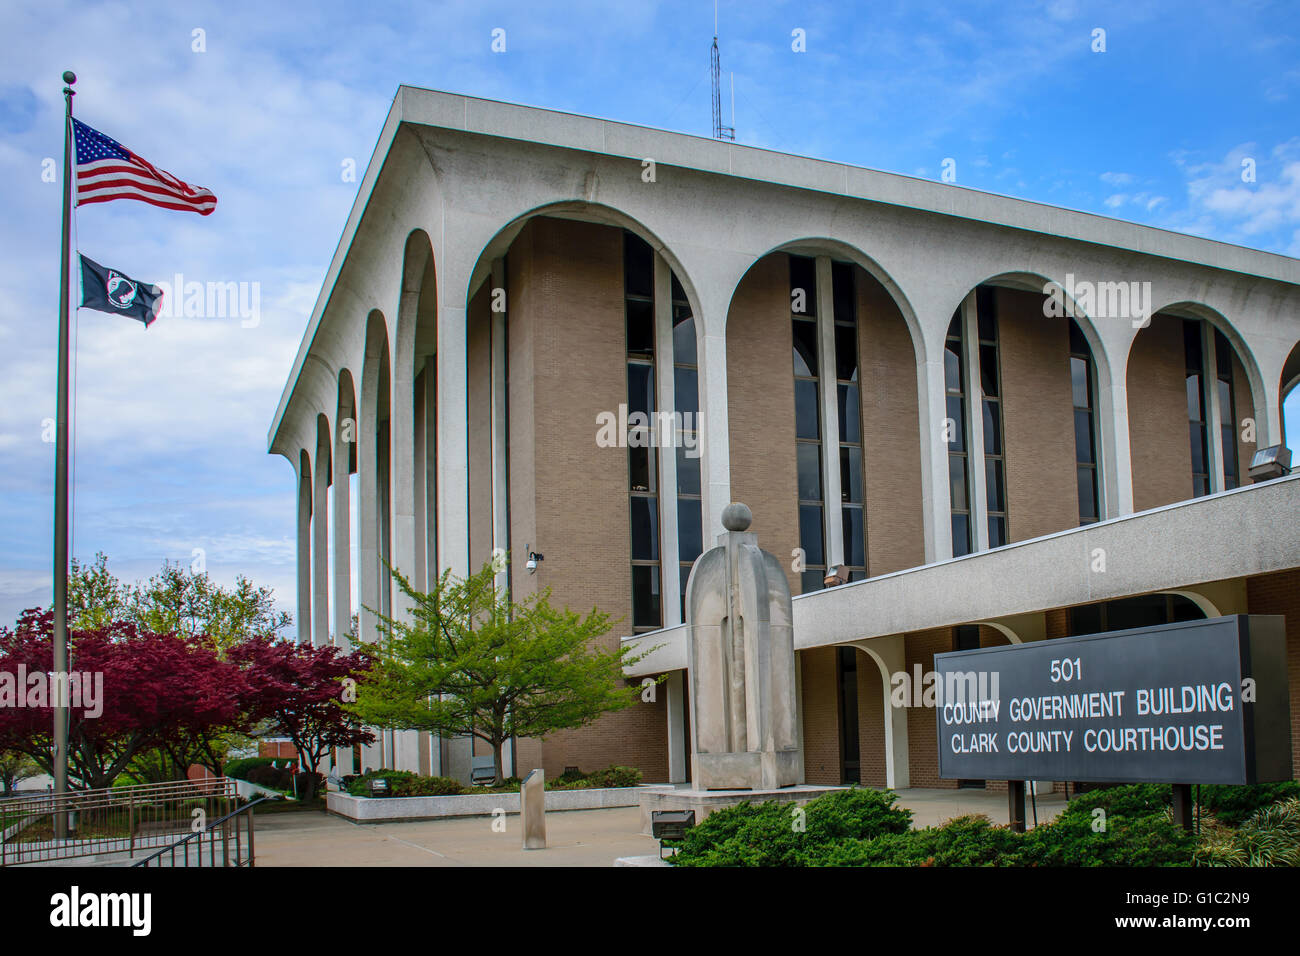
300	690
158	690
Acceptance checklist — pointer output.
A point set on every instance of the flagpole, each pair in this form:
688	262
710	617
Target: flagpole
61	486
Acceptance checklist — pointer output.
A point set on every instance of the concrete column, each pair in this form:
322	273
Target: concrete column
500	424
453	440
430	467
890	655
420	568
320	620
832	518
675	691
1213	410
798	713
401	437
368	529
977	484
666	452
715	458
304	548
345	435
931	412
1117	450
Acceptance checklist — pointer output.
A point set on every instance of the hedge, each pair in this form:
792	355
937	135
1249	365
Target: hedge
405	783
1115	826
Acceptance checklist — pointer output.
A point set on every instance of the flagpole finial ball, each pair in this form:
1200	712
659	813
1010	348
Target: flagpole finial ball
736	516
69	77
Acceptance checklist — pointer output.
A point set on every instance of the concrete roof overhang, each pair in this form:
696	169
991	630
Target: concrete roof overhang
567	131
1233	534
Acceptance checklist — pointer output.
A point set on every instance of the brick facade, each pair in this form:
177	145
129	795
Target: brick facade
891	435
1037	417
1279	593
760	407
566	299
1157	410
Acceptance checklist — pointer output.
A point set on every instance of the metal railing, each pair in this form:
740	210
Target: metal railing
226	831
113	820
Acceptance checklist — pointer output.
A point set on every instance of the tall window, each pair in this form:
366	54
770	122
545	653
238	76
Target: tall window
851	758
686	400
954	364
1196	417
1227	408
1085	425
991	408
639	314
807	415
850	417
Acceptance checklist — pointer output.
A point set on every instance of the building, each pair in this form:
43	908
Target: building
997	420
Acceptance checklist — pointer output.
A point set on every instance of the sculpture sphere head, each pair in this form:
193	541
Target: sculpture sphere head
736	517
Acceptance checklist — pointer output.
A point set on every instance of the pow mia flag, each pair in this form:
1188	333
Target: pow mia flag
108	290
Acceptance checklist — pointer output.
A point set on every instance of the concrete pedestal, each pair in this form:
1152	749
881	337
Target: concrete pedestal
532	810
704	802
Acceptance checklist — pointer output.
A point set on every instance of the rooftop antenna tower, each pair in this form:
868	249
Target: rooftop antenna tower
720	131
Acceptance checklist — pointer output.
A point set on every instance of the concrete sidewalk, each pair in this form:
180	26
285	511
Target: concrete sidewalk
931	807
575	838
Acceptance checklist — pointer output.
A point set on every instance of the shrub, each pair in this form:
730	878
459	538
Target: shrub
1139	831
1233	805
266	775
963	841
614	776
1269	837
404	783
240	767
765	834
863	827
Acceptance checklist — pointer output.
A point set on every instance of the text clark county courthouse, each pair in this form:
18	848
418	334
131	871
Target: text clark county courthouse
997	421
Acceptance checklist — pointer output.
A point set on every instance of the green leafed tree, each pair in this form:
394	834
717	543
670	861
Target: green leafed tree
176	599
470	661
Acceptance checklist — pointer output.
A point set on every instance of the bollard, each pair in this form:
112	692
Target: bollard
532	810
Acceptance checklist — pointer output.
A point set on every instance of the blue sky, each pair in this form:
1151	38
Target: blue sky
170	442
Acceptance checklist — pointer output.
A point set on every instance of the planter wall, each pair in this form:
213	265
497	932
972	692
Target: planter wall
370	809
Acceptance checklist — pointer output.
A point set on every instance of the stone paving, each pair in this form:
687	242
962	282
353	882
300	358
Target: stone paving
574	838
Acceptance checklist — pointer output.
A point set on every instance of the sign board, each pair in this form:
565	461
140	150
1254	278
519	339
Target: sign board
1195	702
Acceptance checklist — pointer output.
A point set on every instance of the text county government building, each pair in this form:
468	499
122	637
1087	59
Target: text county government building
869	361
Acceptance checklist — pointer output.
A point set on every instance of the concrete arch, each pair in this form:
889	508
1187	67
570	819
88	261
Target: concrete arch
890	657
1207	606
845	252
304	489
415	342
1104	364
419	298
1032	281
345	464
1289	381
1189	309
1004	630
581	211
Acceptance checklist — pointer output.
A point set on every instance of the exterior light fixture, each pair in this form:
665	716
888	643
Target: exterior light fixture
1269	463
670	825
835	576
533	559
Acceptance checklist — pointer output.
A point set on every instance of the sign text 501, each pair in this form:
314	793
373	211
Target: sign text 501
1066	669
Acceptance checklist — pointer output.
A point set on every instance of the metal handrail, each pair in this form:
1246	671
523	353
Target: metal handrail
116	818
199	834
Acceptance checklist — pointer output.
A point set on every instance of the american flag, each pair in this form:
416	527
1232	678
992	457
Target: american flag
107	170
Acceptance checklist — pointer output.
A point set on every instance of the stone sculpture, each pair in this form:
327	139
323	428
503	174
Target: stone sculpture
740	642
